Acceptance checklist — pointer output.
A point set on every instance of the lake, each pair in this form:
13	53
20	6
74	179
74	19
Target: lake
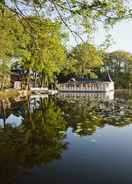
69	138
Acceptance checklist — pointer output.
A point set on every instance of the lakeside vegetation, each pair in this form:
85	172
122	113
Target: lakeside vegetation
5	94
32	45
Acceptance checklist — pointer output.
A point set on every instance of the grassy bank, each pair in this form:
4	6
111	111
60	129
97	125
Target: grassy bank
12	93
8	93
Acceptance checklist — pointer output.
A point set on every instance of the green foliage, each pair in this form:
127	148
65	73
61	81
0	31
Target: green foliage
50	54
119	64
6	36
42	50
86	59
8	27
4	74
35	42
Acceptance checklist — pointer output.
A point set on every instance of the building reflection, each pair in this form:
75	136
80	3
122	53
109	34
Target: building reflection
102	96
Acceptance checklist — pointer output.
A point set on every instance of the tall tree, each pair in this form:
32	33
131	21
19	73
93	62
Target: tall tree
119	64
44	53
86	58
7	22
33	40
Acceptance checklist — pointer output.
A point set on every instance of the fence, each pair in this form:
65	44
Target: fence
85	87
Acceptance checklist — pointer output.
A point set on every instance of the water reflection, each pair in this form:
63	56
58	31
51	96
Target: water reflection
36	141
85	115
92	96
34	131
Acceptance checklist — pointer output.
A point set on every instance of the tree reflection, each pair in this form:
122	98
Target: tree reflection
37	141
85	115
81	116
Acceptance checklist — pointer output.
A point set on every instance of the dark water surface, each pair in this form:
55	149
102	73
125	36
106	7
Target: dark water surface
67	139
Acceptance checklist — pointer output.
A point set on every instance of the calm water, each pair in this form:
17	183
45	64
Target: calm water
81	139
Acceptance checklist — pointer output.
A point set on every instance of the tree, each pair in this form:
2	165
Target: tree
119	65
4	74
6	46
50	55
37	45
44	54
87	59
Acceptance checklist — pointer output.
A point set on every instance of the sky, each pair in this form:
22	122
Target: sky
121	35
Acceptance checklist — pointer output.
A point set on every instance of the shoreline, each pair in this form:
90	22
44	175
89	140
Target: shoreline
11	93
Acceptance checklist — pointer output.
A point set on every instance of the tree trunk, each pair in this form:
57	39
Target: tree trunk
42	78
28	79
4	113
35	81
